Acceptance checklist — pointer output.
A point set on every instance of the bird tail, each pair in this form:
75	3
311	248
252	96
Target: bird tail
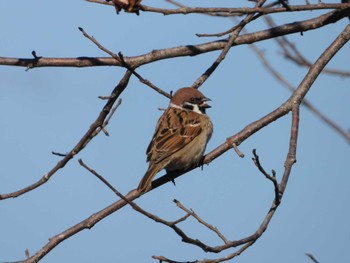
146	180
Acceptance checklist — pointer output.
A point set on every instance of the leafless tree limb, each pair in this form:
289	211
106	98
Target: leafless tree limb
233	11
230	40
172	225
201	221
180	51
105	123
216	260
272	177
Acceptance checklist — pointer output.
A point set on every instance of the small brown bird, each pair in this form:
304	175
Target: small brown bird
181	135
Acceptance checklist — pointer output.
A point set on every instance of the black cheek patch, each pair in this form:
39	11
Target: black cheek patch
187	106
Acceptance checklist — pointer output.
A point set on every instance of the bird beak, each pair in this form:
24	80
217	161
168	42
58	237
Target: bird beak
204	103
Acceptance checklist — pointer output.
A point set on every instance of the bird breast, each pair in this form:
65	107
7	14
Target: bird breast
192	153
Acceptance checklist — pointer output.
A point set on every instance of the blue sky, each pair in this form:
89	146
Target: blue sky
49	109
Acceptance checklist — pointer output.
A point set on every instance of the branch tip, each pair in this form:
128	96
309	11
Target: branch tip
239	153
59	154
35	55
105	131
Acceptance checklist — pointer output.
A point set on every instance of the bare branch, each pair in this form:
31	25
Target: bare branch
233	11
231	39
217	260
113	55
59	154
180	51
142	80
239	153
157	219
272	177
105	123
120	59
201	221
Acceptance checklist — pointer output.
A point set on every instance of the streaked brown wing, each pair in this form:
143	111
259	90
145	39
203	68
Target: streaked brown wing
171	135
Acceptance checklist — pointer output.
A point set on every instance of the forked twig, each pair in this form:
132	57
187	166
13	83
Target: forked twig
171	224
201	221
230	40
105	123
272	177
121	60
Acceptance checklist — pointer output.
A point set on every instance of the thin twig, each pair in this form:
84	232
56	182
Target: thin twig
272	177
105	123
145	81
217	14
157	219
121	60
120	195
165	259
231	39
313	259
216	260
59	154
238	152
201	221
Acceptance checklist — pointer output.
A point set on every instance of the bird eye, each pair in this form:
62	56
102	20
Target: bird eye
192	99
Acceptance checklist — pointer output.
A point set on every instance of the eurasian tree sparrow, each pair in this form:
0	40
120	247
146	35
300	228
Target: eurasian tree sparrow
181	135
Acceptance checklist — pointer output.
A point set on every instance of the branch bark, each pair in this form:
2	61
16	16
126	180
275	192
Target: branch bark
179	51
184	10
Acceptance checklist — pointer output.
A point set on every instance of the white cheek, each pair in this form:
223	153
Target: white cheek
175	106
196	109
